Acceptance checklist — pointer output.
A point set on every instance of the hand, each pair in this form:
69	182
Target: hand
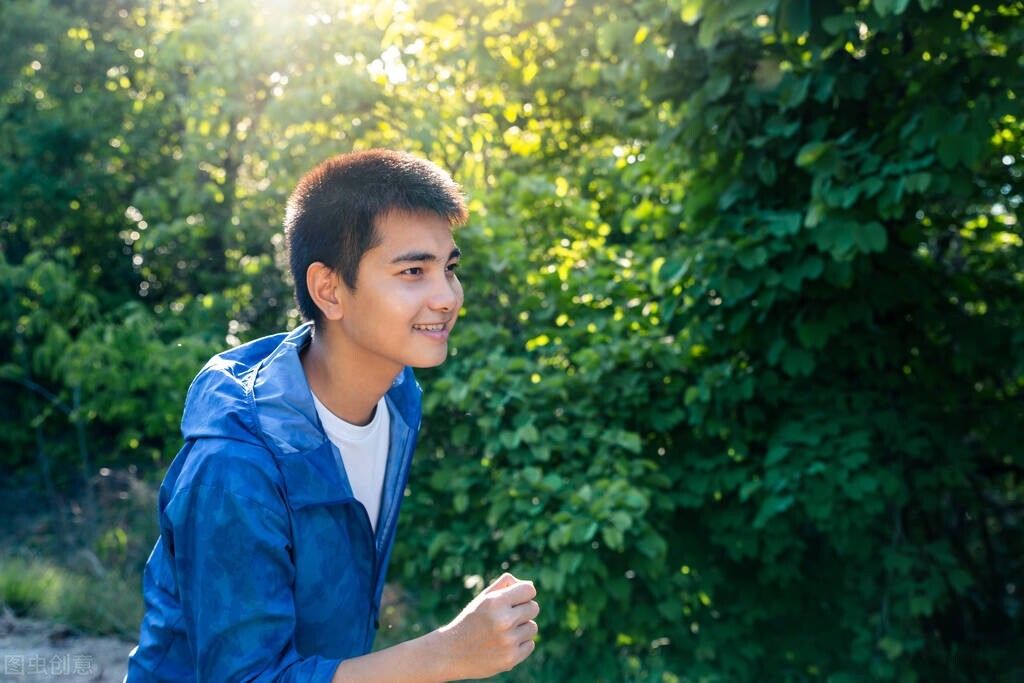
494	632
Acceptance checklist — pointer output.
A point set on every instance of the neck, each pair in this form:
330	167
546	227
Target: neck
348	388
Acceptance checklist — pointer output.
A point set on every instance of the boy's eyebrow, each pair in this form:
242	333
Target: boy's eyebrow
424	256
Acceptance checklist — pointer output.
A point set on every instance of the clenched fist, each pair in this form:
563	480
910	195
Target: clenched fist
494	632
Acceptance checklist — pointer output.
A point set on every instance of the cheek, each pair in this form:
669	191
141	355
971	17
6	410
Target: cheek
391	306
400	297
457	288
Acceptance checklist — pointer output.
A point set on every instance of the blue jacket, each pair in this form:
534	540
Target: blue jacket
267	568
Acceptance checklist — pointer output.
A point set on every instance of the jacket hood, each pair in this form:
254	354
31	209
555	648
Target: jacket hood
258	393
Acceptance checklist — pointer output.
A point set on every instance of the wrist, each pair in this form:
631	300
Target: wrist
437	647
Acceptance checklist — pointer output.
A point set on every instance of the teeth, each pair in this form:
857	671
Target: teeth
429	328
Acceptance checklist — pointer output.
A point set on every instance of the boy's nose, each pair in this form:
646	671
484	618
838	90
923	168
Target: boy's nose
445	296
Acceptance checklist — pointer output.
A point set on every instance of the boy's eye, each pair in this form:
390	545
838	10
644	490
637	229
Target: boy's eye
418	270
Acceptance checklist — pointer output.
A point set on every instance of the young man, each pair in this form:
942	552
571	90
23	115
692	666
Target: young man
278	515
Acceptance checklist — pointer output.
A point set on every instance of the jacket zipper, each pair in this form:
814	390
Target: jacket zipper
369	534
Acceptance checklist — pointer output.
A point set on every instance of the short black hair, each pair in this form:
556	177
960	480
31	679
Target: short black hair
332	214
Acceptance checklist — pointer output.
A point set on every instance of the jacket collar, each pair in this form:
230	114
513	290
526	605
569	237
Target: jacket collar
309	462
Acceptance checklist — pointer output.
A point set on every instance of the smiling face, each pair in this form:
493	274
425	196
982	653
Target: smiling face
407	296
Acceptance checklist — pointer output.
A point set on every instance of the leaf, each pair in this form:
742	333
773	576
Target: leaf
772	507
749	488
631	442
970	149
732	194
921	606
891	647
797	362
719	16
872	237
794	16
671	611
690	12
652	545
793	91
559	537
766	171
551	580
812	152
752	258
553	482
509	439
871	186
780	127
948	150
813	266
613	537
528	434
584	532
529	72
812	334
621	520
894	7
776	454
460	435
618	588
839	23
717	86
918	182
673	271
857	487
815	213
786	223
958	148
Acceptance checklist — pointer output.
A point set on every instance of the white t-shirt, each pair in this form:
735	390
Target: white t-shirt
364	451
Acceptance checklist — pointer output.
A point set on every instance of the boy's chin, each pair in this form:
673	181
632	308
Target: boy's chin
428	362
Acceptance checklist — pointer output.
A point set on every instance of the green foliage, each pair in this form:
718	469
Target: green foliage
105	605
738	379
25	587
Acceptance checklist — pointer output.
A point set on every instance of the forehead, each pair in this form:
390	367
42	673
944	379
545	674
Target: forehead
403	231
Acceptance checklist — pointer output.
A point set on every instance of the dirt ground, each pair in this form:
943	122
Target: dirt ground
41	652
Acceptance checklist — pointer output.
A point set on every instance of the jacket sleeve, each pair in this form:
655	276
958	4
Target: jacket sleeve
234	572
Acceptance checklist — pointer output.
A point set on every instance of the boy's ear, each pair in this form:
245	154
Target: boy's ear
324	286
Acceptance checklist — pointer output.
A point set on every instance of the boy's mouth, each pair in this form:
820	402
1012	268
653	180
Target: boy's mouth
436	327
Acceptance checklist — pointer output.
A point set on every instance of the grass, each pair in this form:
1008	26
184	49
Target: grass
101	605
84	573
